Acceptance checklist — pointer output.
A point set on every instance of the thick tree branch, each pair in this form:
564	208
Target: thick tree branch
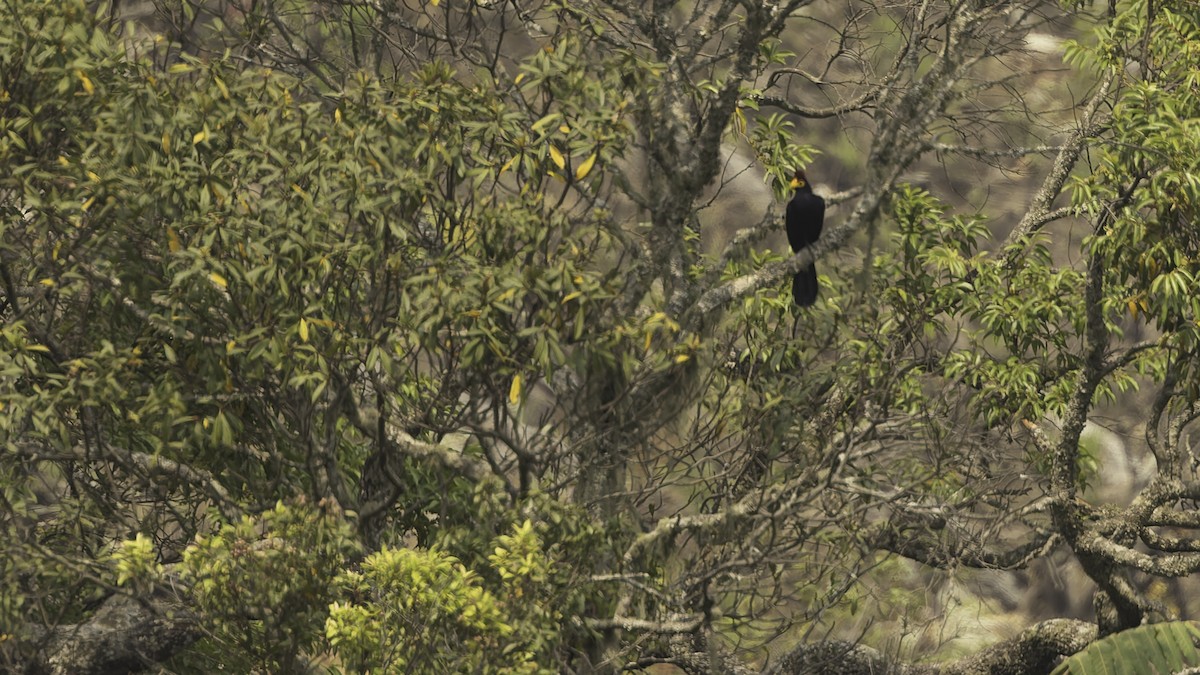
399	443
864	102
1037	649
666	627
944	550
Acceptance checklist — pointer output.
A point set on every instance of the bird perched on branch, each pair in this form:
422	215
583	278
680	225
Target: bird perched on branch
805	215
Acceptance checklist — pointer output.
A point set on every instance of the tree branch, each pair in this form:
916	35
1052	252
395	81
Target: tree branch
1037	649
1052	186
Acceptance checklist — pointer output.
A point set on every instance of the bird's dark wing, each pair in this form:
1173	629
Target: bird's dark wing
805	215
818	219
804	218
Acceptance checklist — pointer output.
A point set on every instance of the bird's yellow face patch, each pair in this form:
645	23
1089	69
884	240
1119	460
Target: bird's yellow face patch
796	183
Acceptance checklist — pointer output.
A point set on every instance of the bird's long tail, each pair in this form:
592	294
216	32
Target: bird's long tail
804	286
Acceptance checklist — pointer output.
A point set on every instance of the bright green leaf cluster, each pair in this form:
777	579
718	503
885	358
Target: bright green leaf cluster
263	585
414	611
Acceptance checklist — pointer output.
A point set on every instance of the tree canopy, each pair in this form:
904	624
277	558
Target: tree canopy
427	337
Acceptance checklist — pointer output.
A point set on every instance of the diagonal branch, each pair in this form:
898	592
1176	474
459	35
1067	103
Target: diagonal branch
1040	211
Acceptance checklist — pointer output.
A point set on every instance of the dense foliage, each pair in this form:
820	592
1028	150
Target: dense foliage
372	337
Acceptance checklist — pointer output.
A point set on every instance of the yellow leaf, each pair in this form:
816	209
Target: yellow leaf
93	176
179	68
514	392
303	330
518	78
221	85
173	244
166	143
200	136
649	336
88	204
63	161
218	280
337	115
47	282
434	2
681	358
585	168
1133	308
571	296
739	121
507	165
87	83
556	156
38	348
565	129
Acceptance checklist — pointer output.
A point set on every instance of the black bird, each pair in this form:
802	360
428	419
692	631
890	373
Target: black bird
805	215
